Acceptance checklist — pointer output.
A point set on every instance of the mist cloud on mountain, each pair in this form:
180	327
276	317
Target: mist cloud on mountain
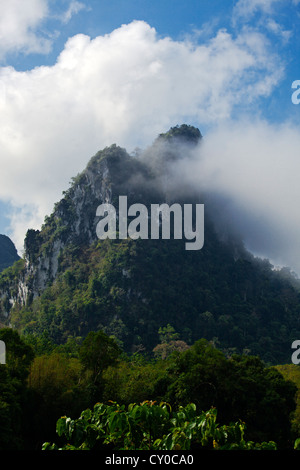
250	173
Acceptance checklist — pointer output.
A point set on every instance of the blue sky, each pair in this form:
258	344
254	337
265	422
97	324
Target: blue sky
76	76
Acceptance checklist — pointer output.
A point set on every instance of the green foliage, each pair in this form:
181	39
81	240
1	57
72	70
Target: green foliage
167	334
57	385
19	355
13	392
8	280
297	444
62	381
134	380
240	387
291	372
31	244
54	376
150	426
131	289
169	342
97	352
184	132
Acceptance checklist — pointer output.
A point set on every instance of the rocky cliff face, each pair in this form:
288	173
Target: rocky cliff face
73	221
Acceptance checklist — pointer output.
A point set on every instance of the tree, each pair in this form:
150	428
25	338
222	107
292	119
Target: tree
55	377
134	381
97	352
169	342
19	355
57	385
292	372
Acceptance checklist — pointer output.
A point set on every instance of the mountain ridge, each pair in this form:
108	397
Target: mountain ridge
8	252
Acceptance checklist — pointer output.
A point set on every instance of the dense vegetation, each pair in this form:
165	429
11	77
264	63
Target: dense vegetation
130	289
43	382
151	426
143	322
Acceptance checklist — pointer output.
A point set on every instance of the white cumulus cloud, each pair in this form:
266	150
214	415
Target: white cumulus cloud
18	24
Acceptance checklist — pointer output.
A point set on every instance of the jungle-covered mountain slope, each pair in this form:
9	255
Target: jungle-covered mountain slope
8	252
70	282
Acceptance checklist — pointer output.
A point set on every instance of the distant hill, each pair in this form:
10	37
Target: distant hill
70	282
8	252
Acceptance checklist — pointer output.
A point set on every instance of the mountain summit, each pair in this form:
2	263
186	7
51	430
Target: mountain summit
70	282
